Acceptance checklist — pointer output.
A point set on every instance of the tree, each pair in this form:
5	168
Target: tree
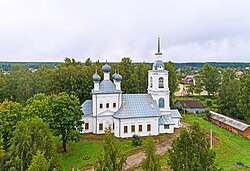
66	117
210	78
39	162
244	97
172	79
10	115
191	151
111	158
228	94
31	135
151	163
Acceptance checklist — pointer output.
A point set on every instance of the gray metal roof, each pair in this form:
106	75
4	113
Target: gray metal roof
87	108
105	87
106	68
174	113
117	77
96	77
158	64
136	106
166	120
229	121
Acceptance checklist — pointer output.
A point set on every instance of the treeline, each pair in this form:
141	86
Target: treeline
6	66
74	78
199	65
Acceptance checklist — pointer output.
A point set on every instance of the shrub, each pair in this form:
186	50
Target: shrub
136	140
208	102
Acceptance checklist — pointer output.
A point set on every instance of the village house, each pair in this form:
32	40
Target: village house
231	124
130	114
190	106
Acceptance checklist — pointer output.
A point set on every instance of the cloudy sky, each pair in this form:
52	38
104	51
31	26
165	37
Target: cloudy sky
190	30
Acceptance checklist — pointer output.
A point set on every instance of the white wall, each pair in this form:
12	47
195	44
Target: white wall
176	122
170	130
105	98
88	119
120	123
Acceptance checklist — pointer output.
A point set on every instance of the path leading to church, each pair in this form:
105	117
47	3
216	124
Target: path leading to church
135	159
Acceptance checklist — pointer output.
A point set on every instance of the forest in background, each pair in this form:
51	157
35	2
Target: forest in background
6	66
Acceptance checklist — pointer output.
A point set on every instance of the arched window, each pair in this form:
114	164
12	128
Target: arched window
151	82
161	82
161	103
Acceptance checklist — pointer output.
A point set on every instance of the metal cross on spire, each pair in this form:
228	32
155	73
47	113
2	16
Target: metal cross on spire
159	47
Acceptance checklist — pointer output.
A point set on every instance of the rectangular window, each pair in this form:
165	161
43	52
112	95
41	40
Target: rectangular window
86	126
114	105
132	128
166	126
107	105
101	105
148	127
140	128
125	129
100	127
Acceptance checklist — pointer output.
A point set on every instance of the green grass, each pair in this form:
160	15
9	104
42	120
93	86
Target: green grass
231	148
92	149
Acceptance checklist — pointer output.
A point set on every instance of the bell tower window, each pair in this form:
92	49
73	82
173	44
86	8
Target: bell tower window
161	82
161	103
151	82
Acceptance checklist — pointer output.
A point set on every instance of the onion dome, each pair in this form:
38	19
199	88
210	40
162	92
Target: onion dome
117	77
114	75
106	68
96	77
158	65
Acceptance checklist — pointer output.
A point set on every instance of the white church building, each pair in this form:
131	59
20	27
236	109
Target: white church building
130	114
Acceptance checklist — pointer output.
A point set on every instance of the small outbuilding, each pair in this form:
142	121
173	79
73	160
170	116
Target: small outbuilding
231	124
190	106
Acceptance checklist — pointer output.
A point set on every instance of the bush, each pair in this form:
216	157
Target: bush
136	140
208	102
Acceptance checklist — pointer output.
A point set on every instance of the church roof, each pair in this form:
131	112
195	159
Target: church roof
106	87
174	113
136	106
166	120
87	107
158	65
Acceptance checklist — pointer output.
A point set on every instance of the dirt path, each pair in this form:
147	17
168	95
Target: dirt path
135	159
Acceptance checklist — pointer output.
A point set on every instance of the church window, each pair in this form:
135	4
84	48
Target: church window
140	128
114	105
161	103
148	127
86	126
101	105
161	82
166	126
151	82
107	105
132	128
125	129
100	127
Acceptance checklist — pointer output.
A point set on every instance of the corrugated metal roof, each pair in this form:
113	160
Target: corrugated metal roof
175	113
87	108
137	105
166	120
190	103
105	87
229	121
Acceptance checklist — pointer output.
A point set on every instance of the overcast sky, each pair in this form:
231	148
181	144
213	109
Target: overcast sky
190	30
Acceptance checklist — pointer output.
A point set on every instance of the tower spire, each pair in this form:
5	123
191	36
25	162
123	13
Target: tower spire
159	47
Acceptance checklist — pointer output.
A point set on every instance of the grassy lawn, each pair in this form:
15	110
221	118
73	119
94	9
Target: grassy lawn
77	151
231	148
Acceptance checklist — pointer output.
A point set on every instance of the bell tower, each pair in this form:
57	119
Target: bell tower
158	83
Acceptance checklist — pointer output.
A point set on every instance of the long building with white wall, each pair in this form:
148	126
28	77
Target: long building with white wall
130	114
